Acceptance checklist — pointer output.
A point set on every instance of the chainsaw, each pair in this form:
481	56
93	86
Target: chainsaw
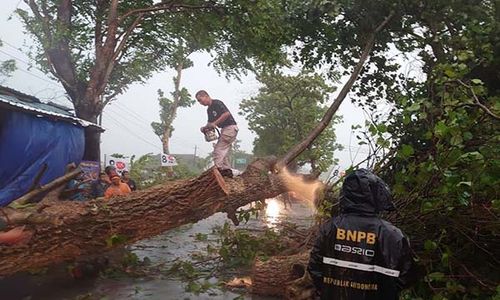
210	135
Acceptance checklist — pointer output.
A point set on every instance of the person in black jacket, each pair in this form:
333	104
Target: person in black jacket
357	255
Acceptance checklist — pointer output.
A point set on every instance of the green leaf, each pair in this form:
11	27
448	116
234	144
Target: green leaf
193	287
201	237
466	183
435	276
440	129
427	206
467	136
382	128
414	107
475	155
407	151
445	259
462	55
495	204
115	239
456	140
430	245
406	119
477	81
450	73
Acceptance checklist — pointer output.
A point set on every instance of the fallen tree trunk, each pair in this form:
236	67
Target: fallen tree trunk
73	229
283	276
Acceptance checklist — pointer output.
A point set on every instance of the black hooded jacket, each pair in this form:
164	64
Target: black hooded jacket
358	255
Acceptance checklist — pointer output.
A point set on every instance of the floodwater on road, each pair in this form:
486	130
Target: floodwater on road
173	245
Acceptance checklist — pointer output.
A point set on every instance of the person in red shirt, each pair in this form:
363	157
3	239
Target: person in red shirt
117	187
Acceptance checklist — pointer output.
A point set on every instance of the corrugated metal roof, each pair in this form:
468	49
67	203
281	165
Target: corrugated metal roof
38	106
17	100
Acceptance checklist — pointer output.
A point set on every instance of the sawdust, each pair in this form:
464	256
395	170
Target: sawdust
304	190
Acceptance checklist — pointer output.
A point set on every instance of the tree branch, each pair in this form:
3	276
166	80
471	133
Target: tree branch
42	19
98	27
117	52
477	102
124	36
300	147
162	6
56	50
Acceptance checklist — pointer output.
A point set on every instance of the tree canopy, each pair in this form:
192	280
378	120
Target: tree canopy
285	110
441	133
96	49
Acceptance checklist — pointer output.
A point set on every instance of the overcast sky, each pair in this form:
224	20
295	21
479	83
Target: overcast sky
127	120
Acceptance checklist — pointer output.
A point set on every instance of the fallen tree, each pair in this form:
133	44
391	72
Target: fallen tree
67	230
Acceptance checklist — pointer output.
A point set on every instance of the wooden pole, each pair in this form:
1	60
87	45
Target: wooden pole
47	188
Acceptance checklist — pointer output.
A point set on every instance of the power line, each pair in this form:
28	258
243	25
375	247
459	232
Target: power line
139	117
27	63
183	143
132	132
111	109
123	108
27	72
12	46
114	120
15	57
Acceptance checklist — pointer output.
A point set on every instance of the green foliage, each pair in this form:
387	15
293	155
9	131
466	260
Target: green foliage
130	259
7	67
285	111
440	138
234	248
196	277
244	215
168	110
147	171
115	239
196	287
235	30
117	155
240	248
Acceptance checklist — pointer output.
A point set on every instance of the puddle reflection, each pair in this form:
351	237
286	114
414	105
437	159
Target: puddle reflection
274	210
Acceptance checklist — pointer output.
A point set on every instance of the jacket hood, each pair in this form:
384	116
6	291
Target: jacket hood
364	192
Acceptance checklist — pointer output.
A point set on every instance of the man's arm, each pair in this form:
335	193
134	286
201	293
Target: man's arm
408	272
316	259
219	120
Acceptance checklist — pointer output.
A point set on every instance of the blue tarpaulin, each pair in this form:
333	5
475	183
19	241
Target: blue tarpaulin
27	142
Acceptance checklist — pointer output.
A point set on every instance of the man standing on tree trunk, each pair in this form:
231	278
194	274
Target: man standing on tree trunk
219	116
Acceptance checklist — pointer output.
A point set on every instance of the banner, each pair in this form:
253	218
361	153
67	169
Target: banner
120	164
168	160
90	170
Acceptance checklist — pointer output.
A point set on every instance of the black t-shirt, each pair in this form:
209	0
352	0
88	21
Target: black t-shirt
215	110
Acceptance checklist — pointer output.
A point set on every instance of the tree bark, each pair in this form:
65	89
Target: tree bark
282	276
74	229
92	145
